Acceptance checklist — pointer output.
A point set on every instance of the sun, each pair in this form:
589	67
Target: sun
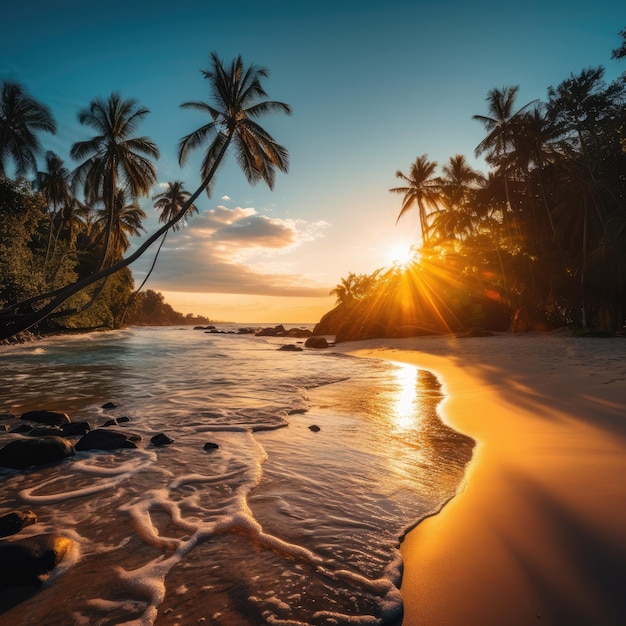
402	254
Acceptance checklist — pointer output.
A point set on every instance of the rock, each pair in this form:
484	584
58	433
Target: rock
299	332
109	405
4	428
290	347
29	561
14	521
315	428
100	439
209	445
23	453
316	342
7	416
161	440
246	331
75	429
123	420
22	428
52	418
45	431
298	411
111	422
276	331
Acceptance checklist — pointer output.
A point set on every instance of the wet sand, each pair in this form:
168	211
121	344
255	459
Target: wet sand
537	532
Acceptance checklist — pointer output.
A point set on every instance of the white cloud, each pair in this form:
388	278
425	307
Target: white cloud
223	250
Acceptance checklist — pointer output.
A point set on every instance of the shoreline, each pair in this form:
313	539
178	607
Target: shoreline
537	530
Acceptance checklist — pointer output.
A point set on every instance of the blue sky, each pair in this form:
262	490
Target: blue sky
372	84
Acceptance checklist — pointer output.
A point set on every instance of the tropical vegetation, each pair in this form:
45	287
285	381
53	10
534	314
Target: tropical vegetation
65	234
536	242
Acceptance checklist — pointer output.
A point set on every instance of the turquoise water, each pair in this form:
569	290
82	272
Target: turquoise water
279	525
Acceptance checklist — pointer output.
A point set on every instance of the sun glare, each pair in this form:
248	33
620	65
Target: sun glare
402	254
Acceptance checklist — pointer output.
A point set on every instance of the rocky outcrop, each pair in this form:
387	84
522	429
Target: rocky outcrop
281	331
290	347
23	453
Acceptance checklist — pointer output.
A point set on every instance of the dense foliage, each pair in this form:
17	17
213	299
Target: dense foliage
63	262
537	242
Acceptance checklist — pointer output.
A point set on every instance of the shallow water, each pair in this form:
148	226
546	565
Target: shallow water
279	525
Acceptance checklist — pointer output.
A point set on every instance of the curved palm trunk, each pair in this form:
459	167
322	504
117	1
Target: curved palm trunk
11	327
145	280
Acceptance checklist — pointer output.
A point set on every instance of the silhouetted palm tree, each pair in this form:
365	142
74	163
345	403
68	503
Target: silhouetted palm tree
114	158
236	103
21	117
500	125
423	189
127	218
170	201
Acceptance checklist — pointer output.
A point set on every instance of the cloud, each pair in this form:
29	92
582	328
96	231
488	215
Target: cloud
224	250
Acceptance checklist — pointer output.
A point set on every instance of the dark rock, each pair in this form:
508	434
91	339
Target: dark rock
75	429
100	439
111	422
22	428
315	428
316	342
29	561
52	418
299	332
276	331
246	331
22	453
209	445
4	428
123	420
290	347
161	440
45	431
7	416
14	521
109	405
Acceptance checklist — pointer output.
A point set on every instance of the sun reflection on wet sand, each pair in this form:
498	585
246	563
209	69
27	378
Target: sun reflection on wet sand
403	405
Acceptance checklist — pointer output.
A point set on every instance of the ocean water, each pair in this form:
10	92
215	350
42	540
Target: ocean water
278	525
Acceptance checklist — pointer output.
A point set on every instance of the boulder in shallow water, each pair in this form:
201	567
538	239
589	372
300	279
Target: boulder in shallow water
14	521
30	561
109	405
161	440
23	453
290	347
316	342
315	428
209	445
111	422
45	431
22	428
101	439
75	429
52	418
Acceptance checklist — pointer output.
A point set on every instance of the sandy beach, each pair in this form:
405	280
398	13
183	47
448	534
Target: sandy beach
537	532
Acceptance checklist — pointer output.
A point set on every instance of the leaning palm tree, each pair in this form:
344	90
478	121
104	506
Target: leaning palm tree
114	158
21	118
236	103
237	94
423	189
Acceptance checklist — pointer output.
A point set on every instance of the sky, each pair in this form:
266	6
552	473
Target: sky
372	84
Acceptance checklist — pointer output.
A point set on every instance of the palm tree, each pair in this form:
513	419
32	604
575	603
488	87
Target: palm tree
423	189
500	125
21	117
169	203
127	218
236	104
236	93
114	158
